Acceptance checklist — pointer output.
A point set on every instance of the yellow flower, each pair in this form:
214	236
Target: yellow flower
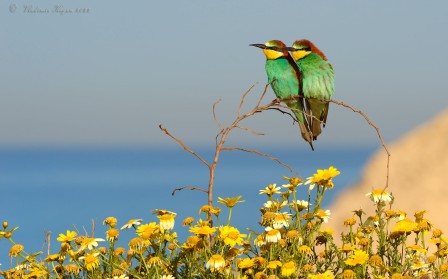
274	264
304	249
202	230
72	269
230	202
379	195
55	258
270	190
323	178
205	208
417	248
275	205
301	204
324	215
231	236
148	231
281	220
288	269
15	250
350	222
154	261
246	263
119	251
111	221
112	234
272	235
69	236
358	257
91	261
90	243
191	242
293	182
325	275
346	248
187	221
326	231
405	226
215	262
259	240
138	243
375	261
166	221
348	274
132	223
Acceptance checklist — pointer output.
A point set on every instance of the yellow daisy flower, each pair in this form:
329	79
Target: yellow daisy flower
148	231
112	234
288	269
274	264
270	190
246	263
215	262
132	223
111	221
230	202
323	178
405	226
379	195
281	220
358	257
325	275
69	236
272	235
324	215
202	230
166	221
231	235
90	243
91	261
15	250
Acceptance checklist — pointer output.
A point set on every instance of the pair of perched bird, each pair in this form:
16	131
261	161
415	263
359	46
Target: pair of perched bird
303	80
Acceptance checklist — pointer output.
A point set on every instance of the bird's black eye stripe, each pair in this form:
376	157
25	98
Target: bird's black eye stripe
276	48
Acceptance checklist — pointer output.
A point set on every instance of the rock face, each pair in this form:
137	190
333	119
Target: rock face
418	177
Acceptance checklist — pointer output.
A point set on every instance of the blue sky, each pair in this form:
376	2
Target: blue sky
110	76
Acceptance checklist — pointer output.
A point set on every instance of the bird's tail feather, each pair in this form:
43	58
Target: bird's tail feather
306	134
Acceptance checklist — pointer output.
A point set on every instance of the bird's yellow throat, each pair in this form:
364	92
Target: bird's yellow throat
299	54
272	54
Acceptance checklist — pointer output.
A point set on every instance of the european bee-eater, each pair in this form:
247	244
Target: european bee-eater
285	79
317	82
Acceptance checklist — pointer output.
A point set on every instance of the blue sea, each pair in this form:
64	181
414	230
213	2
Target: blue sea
57	189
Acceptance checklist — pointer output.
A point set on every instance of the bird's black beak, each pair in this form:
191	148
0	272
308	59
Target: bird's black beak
290	49
262	46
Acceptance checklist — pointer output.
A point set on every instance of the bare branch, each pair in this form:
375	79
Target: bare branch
243	98
377	131
250	130
188	187
214	115
263	155
284	112
184	146
262	95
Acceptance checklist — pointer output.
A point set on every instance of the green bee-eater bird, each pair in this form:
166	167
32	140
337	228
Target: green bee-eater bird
285	79
317	82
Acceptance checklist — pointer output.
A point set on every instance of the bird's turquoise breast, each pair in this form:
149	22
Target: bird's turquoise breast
318	77
282	77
